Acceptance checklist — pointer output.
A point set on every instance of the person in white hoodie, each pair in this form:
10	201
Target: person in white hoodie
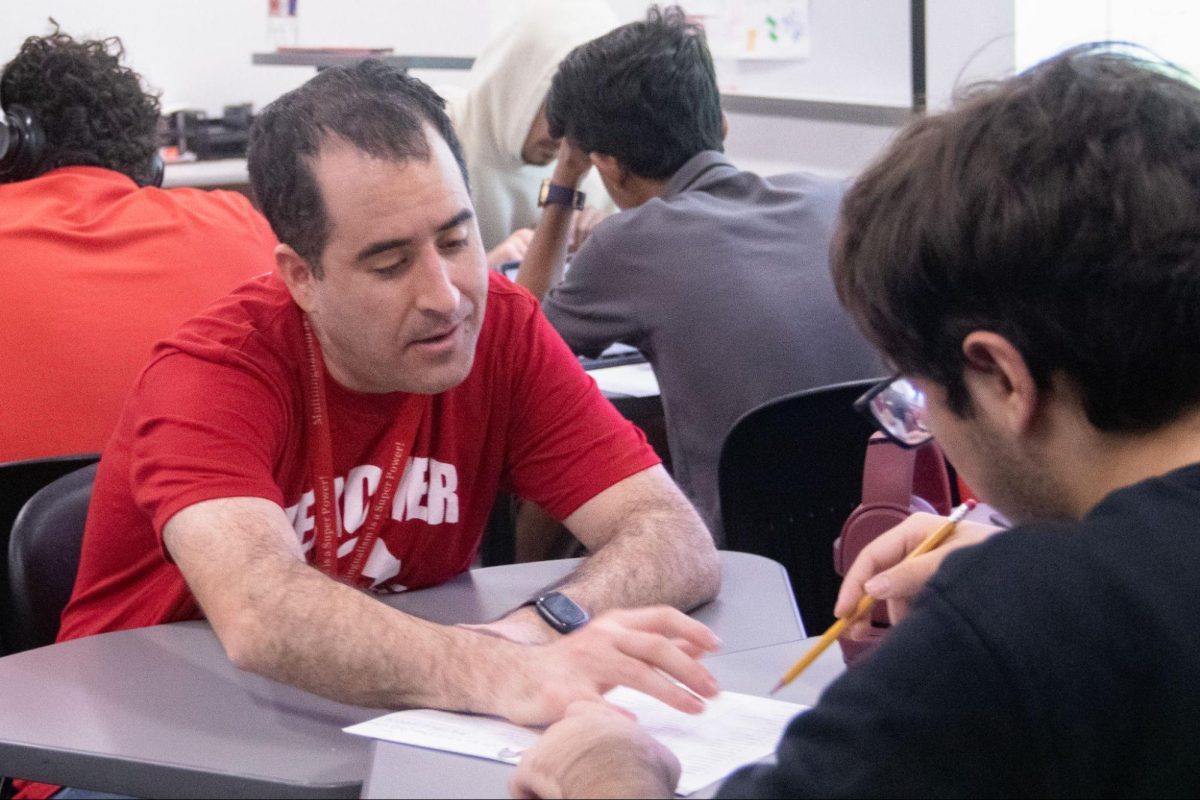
501	121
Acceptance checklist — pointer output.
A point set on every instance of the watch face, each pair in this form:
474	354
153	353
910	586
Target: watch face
564	610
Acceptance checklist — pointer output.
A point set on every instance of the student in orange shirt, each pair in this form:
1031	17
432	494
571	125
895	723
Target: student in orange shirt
97	262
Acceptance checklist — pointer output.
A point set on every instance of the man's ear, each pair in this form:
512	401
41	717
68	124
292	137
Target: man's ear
724	126
611	171
297	274
999	382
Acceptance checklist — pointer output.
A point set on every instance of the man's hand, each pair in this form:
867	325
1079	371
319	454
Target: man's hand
511	249
646	649
595	751
881	570
586	220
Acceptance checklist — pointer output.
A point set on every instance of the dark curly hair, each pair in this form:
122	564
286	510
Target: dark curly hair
94	111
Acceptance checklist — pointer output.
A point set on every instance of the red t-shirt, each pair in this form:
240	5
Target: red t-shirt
219	412
94	272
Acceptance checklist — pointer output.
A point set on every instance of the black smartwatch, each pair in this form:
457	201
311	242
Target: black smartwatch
560	612
555	195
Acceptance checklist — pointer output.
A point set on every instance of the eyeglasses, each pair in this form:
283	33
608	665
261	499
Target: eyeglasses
897	408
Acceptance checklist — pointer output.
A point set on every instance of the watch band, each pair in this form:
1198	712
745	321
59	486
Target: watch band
555	194
560	612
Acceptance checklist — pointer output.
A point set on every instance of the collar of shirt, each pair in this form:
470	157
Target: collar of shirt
694	168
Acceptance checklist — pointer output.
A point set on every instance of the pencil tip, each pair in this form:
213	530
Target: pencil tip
778	686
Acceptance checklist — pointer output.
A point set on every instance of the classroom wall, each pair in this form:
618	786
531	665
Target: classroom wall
198	55
965	42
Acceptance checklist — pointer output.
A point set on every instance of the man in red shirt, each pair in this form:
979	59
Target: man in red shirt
344	425
97	262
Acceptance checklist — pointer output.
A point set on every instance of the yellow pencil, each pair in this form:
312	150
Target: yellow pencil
867	602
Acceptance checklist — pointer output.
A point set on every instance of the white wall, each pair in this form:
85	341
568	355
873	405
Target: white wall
965	43
770	144
1169	28
198	55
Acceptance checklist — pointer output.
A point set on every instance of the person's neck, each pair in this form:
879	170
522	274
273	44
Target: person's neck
334	363
1106	462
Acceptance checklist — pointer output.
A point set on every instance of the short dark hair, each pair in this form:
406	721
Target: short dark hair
645	93
1059	209
94	111
378	109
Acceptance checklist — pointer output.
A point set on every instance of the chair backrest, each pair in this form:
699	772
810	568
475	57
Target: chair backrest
43	557
19	481
790	474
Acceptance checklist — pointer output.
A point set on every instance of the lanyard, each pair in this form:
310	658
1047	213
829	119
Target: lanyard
328	528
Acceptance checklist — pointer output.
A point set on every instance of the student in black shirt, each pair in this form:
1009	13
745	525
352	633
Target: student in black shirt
1030	262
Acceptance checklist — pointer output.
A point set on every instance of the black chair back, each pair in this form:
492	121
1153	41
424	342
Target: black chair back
790	473
19	481
43	557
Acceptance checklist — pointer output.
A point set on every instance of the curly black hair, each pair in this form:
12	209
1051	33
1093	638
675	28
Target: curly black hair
94	111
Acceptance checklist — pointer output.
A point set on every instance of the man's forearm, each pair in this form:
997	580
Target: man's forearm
662	554
279	617
649	547
309	631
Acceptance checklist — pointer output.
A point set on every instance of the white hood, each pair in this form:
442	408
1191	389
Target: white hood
509	82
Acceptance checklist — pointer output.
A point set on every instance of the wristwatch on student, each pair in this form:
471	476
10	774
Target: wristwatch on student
554	194
560	612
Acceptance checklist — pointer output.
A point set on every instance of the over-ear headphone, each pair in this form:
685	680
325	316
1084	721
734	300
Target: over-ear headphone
23	147
157	169
22	144
896	482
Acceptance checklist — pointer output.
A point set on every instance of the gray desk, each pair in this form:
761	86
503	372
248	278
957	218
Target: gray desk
161	712
402	771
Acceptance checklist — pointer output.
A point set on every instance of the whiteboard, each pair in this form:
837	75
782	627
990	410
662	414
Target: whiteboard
861	53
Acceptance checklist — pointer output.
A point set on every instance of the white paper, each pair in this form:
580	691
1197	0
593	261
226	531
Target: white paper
484	737
633	380
734	730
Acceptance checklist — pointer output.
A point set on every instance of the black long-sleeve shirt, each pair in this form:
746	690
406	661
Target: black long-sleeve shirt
1052	660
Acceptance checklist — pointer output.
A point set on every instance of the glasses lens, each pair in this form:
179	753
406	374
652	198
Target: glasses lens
900	409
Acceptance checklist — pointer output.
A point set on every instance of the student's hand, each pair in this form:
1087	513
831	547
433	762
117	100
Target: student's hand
571	166
511	249
881	571
647	649
586	220
595	751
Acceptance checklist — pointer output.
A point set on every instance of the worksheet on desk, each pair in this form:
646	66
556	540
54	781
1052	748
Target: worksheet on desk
632	380
734	730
